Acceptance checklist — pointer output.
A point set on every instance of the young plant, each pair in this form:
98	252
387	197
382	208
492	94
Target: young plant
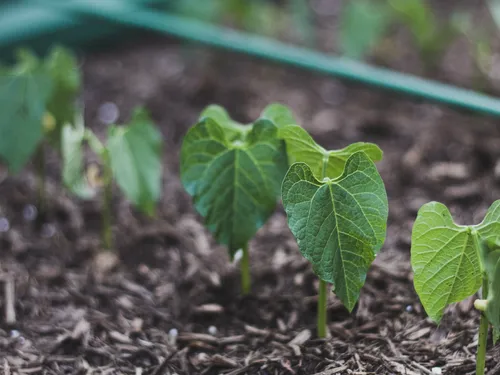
431	36
38	98
234	173
363	23
451	262
337	210
131	156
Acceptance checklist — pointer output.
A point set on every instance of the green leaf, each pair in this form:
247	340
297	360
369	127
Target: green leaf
217	113
234	178
23	97
339	224
362	25
446	256
279	114
301	147
72	139
135	157
62	67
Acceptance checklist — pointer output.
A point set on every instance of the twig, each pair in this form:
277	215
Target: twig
10	297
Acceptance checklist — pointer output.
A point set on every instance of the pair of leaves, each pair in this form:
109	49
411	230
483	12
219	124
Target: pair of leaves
132	153
450	260
339	223
234	173
28	91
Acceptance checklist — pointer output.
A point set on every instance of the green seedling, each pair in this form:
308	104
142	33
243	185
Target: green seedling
131	156
38	98
234	173
363	23
451	262
431	36
337	210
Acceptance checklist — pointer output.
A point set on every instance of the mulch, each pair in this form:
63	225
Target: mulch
171	304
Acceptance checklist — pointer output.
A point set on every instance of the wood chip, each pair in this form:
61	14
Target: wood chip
301	338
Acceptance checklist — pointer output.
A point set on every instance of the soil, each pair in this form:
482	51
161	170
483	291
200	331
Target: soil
172	304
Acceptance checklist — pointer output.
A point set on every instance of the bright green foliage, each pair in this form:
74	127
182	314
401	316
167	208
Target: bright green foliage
23	96
339	223
28	91
279	114
234	173
135	156
362	25
449	262
300	147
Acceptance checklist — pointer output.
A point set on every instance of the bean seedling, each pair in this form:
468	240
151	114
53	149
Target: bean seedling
451	262
337	210
38	98
234	173
131	156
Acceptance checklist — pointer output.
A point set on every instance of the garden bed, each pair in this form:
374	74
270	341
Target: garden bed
173	304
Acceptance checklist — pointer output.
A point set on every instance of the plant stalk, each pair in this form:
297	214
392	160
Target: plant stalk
483	335
245	272
40	178
322	309
107	234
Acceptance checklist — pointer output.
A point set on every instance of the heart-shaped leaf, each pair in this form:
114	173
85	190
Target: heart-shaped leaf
301	147
135	156
339	223
234	175
448	259
23	96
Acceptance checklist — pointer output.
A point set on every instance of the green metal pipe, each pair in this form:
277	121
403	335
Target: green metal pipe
269	49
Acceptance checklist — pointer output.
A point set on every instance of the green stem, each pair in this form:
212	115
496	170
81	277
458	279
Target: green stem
322	309
483	335
40	177
245	272
107	235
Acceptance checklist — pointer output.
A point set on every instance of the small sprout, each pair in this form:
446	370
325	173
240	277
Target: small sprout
4	224
337	209
131	157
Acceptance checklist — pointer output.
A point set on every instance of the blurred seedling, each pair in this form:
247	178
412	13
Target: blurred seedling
131	156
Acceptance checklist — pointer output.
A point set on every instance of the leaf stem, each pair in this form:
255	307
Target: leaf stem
483	335
245	271
40	176
107	235
322	309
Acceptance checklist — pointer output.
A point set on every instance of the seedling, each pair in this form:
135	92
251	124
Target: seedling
452	261
431	36
337	210
38	98
131	156
363	23
234	173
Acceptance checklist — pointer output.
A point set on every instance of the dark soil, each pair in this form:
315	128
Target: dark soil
172	303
